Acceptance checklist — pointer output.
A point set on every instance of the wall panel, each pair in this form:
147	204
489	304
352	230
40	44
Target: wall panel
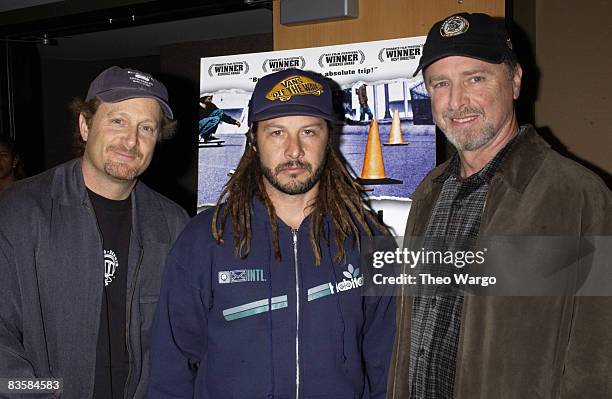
378	19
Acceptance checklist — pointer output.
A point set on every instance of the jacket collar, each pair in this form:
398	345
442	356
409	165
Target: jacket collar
517	169
524	159
148	222
68	186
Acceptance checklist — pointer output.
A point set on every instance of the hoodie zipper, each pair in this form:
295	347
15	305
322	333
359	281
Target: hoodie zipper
294	233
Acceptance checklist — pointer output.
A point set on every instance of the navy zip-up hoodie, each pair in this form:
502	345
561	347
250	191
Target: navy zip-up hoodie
217	336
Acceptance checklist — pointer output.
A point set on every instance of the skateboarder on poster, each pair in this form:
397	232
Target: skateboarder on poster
210	116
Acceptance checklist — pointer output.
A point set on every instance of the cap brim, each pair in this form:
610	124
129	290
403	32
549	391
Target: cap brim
290	110
478	52
121	94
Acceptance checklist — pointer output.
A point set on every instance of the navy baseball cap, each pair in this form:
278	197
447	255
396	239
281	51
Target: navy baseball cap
469	35
291	92
117	84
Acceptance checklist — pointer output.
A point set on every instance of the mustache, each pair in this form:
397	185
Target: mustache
133	151
462	113
293	164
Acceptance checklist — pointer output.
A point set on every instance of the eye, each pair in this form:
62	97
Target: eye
276	133
308	132
148	129
116	121
439	84
477	79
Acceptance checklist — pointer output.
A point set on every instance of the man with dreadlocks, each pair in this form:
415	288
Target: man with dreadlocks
262	294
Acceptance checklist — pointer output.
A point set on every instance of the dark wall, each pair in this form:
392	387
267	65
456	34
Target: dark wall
20	102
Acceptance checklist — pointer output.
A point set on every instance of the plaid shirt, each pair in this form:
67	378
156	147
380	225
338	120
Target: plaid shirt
436	317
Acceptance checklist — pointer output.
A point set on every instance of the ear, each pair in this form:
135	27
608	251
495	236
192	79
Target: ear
516	81
251	140
83	128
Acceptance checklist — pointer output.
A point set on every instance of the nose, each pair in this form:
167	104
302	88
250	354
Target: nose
294	148
457	98
130	139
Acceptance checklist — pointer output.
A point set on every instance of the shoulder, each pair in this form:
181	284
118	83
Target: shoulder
169	208
195	243
561	176
581	187
547	182
534	162
31	193
573	173
198	229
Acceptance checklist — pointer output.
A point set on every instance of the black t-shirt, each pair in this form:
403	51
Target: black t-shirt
112	360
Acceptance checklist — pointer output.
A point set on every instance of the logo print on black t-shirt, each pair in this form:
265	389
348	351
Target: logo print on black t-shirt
110	266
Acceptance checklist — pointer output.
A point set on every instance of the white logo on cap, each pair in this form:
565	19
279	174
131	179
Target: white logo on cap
453	26
140	78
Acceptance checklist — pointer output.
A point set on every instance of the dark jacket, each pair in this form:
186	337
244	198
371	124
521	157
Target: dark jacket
525	347
362	95
51	268
215	336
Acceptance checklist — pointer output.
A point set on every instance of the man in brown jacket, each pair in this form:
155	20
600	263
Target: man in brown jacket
504	181
364	108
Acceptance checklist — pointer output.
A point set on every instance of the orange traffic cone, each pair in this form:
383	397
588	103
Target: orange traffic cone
395	135
373	164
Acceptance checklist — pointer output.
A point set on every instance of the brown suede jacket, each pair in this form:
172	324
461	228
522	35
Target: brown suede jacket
525	347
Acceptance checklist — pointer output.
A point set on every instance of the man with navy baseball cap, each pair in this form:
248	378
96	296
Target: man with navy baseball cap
262	294
504	180
82	247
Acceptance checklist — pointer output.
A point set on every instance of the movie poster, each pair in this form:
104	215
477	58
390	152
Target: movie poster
387	135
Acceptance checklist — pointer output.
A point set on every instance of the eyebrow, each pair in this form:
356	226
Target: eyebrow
111	113
469	72
310	126
481	71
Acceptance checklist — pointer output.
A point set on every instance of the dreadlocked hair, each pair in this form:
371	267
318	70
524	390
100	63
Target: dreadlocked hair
339	198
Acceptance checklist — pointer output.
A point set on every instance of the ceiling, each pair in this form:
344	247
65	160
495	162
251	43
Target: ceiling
91	30
147	39
9	5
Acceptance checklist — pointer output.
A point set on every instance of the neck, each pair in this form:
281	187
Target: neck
105	185
7	182
473	161
291	209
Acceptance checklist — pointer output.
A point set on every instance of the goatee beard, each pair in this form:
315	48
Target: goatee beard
120	170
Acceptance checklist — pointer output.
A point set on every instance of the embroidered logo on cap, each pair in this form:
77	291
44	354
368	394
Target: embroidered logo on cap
294	86
453	26
140	78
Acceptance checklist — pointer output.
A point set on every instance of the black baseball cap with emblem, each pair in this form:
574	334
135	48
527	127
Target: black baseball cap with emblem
291	92
118	84
470	35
